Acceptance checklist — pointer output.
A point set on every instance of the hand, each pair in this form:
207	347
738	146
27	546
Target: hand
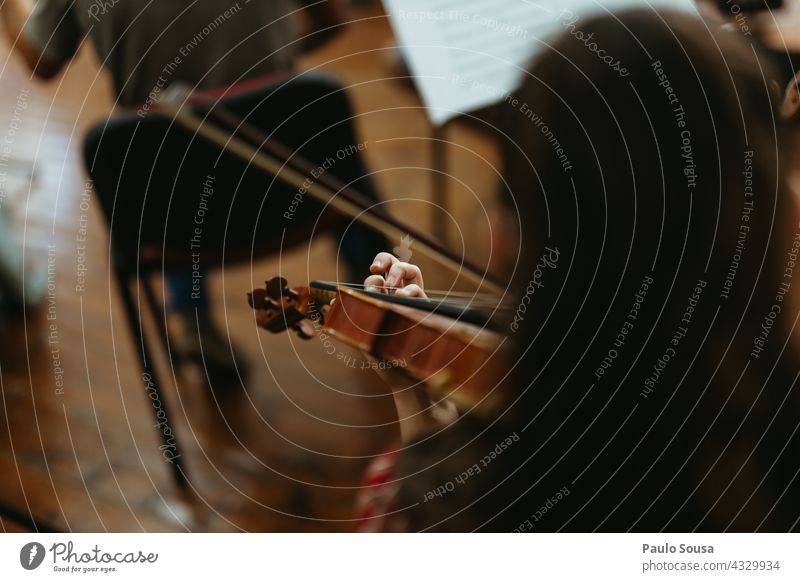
388	273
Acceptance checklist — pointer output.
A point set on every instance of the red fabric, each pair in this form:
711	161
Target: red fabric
377	500
243	86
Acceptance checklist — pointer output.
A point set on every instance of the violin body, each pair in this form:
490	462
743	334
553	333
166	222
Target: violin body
456	360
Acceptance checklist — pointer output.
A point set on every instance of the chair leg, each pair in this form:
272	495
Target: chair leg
158	311
169	448
25	520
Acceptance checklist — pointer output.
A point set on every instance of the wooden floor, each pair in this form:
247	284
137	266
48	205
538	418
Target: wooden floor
282	450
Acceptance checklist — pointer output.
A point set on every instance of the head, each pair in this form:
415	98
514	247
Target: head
644	151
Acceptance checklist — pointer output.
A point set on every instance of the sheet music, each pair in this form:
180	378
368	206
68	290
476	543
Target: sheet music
467	54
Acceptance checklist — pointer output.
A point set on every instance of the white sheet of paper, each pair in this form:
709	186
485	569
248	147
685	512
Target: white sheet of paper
467	54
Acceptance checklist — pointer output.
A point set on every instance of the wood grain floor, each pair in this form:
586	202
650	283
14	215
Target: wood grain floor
281	451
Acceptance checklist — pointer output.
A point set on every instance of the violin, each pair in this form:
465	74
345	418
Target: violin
452	350
453	347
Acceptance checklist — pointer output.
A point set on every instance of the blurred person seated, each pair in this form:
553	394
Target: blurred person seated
147	46
22	287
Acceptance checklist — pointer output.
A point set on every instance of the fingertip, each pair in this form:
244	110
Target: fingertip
411	291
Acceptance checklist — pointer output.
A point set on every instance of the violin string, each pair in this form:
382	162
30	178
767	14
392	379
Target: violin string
465	297
428	291
445	292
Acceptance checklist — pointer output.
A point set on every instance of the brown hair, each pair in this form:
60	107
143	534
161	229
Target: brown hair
645	384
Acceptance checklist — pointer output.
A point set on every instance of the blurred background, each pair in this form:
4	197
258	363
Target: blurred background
285	451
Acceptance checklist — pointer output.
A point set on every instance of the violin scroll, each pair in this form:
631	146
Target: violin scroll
279	307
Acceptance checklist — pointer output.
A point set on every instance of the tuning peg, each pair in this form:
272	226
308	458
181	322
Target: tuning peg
276	287
256	298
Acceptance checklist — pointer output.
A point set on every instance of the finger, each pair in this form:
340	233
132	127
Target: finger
382	263
411	291
402	274
375	283
305	329
445	412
